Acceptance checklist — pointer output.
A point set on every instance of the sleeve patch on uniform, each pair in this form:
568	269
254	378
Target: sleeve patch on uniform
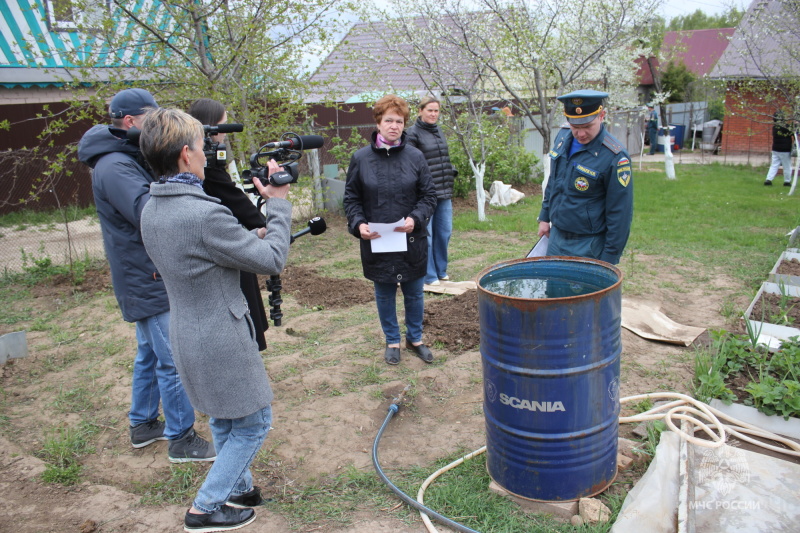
623	161
553	154
624	175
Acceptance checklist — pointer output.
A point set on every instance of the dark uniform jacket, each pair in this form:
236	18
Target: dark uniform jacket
218	183
591	192
384	185
121	187
429	139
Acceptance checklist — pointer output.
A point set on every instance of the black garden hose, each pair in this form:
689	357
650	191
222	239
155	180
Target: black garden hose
393	408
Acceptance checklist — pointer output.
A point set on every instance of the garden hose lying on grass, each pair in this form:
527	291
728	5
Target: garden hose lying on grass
424	511
698	415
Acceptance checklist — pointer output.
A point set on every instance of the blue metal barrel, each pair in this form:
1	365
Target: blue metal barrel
550	350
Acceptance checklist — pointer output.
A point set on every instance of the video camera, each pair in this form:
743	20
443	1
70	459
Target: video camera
216	152
286	152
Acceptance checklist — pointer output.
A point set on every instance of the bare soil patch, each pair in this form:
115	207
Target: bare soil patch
777	309
331	385
790	267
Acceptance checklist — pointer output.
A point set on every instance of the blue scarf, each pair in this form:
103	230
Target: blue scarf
184	177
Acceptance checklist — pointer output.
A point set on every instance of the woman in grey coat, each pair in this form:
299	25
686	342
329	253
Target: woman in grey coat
199	248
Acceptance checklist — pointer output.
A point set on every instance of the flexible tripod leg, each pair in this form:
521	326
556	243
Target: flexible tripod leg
275	300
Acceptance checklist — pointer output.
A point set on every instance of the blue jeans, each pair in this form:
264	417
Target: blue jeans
414	302
237	441
440	227
652	134
156	378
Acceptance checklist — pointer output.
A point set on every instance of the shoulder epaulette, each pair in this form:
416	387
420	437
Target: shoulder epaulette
612	144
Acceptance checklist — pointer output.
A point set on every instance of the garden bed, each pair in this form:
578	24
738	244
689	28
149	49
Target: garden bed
775	311
732	370
786	269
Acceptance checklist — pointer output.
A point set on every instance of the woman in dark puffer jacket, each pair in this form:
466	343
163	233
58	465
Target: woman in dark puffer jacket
426	135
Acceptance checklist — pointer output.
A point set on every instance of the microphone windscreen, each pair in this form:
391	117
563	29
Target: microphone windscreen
310	142
317	225
229	128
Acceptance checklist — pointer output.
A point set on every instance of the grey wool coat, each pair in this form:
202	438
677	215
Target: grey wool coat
199	248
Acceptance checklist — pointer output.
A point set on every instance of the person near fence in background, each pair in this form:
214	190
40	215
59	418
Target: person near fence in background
782	139
652	127
199	247
121	187
218	183
428	137
389	181
588	203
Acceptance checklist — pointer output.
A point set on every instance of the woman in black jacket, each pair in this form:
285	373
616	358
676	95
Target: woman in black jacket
389	182
218	183
426	135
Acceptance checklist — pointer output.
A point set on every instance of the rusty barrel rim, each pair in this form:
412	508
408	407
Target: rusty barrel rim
556	258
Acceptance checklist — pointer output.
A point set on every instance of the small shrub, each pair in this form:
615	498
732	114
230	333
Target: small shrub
344	147
506	159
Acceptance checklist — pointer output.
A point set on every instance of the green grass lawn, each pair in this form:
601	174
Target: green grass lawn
713	214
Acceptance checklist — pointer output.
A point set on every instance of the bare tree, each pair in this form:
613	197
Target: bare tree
248	54
427	44
526	52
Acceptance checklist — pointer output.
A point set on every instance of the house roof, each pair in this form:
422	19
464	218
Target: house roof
39	50
766	43
699	50
361	68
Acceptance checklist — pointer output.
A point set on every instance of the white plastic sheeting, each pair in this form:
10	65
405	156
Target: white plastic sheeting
502	194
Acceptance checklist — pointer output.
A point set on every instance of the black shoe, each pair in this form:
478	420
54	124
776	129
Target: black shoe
392	355
787	183
422	351
767	182
225	518
249	499
190	447
147	433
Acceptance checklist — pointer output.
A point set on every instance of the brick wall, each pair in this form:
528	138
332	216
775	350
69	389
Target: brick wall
748	118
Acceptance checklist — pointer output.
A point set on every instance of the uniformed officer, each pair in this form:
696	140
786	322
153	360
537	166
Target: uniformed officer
652	127
588	202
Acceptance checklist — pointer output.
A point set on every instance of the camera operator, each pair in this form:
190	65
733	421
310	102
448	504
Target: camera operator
199	249
218	183
121	187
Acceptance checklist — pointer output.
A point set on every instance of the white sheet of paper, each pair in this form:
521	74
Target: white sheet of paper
540	248
389	240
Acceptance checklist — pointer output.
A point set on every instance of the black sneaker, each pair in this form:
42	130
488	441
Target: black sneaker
147	433
249	499
225	518
767	182
787	183
191	447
